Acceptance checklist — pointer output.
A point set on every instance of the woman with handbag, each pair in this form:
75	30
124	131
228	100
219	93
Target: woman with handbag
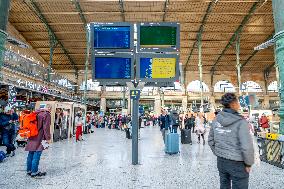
199	127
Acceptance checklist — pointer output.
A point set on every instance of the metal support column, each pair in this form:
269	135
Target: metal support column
88	38
135	127
52	44
239	65
265	77
278	12
163	98
124	98
200	70
4	13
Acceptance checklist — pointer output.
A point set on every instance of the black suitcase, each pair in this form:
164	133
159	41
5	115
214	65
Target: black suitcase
186	136
127	131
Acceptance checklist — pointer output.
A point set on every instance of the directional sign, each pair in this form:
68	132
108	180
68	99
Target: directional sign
134	94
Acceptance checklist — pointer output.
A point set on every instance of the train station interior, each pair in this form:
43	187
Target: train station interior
106	75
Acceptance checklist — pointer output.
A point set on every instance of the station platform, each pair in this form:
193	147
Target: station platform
103	160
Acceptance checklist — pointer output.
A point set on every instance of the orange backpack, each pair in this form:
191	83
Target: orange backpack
28	125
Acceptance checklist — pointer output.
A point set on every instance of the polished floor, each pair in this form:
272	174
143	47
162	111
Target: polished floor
103	161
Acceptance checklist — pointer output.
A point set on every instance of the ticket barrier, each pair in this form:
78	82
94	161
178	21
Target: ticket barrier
271	150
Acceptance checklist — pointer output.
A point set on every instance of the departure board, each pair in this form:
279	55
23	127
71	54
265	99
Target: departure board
112	37
158	68
112	68
158	36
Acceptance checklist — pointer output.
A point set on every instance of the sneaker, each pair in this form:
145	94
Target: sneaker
29	173
12	154
39	174
190	143
8	155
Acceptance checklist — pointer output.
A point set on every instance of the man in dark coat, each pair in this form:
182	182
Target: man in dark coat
7	126
35	144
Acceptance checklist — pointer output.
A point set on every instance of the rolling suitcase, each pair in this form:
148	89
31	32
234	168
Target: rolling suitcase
186	136
172	143
128	135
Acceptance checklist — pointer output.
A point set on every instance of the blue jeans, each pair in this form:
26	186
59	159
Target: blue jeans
33	162
8	140
174	128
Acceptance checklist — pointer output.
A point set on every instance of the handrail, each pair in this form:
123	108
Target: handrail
21	64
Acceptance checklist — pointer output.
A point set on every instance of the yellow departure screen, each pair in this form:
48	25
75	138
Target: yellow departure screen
163	68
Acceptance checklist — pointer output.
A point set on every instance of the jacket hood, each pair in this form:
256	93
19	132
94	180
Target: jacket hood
227	119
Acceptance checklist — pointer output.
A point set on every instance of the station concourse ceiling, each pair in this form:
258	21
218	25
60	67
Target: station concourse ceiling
220	21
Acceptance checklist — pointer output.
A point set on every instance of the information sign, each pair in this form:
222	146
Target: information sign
112	37
134	94
158	37
157	67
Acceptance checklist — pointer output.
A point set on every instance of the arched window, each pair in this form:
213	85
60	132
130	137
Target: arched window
224	86
91	86
273	87
251	86
195	86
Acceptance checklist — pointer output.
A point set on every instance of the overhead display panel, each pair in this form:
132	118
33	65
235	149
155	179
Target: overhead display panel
157	67
158	37
117	68
112	37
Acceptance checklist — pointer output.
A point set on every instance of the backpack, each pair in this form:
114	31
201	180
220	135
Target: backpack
2	156
28	125
175	119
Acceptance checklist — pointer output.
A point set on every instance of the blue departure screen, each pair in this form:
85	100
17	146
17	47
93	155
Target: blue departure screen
112	68
145	67
112	37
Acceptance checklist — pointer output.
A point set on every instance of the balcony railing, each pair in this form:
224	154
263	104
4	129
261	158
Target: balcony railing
21	64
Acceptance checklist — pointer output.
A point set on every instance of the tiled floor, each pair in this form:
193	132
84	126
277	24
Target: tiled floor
103	161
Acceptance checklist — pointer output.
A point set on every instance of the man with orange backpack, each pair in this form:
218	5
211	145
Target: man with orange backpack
37	142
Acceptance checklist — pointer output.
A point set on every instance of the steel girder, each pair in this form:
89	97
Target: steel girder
255	52
200	31
80	11
234	36
165	9
121	7
38	12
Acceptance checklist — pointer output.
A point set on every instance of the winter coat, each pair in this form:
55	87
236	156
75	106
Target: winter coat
230	137
189	123
4	119
264	122
43	125
199	126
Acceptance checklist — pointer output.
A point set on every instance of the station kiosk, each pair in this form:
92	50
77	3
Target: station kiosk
61	118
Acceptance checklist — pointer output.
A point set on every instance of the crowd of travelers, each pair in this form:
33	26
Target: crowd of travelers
230	137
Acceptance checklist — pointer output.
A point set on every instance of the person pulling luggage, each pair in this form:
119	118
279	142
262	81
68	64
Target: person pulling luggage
200	127
174	121
186	133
